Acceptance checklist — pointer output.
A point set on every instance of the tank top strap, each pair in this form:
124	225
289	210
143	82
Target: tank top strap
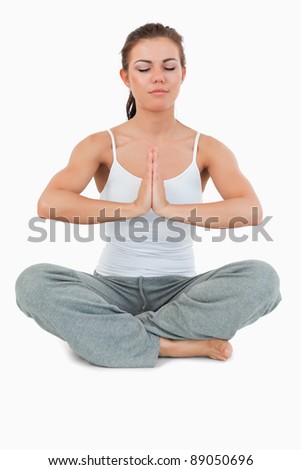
113	144
195	148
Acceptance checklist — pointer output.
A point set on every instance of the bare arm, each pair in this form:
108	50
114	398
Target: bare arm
61	199
240	203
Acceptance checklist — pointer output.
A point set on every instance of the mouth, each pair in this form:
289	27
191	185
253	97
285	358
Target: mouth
158	91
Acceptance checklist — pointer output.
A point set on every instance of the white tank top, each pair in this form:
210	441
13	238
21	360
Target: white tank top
149	245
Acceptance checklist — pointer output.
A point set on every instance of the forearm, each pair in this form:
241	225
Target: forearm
236	212
74	208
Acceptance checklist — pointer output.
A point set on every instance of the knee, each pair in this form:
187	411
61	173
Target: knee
264	278
29	283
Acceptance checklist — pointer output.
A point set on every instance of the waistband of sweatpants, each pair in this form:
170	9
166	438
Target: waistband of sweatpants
134	280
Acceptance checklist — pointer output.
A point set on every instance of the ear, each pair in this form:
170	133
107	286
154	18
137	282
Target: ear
183	73
124	77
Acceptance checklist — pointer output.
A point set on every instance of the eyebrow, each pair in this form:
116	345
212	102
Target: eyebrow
150	62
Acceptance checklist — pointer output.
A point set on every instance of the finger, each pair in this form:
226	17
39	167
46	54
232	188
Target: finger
150	155
149	160
155	153
155	161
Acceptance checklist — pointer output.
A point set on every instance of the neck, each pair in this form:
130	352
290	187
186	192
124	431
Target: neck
157	124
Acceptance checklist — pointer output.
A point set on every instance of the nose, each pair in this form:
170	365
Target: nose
158	76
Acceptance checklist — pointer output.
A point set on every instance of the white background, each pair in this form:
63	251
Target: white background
59	83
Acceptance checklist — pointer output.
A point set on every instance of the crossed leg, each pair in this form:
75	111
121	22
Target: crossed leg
206	314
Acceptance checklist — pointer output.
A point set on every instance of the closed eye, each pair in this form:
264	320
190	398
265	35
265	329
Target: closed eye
165	68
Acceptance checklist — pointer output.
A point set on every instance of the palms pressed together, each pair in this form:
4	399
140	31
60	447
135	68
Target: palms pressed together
151	194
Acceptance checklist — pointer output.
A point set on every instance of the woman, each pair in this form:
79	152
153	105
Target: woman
145	299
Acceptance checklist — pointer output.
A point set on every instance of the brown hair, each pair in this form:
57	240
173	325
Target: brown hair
148	31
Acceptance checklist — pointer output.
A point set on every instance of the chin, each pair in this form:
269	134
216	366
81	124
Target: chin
160	107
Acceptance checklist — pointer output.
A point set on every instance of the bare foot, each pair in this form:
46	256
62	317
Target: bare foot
219	349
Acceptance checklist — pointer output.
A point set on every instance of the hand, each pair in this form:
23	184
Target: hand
159	201
144	198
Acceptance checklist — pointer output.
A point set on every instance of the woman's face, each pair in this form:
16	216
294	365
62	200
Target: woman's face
155	73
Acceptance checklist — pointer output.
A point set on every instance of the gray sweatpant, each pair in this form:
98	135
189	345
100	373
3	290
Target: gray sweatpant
116	321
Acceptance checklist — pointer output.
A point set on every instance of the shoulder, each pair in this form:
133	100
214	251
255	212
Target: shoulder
94	146
212	150
96	141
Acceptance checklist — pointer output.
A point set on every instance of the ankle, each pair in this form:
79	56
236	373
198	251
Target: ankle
165	347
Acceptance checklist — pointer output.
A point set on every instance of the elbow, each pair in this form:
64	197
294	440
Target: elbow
252	216
256	214
43	208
